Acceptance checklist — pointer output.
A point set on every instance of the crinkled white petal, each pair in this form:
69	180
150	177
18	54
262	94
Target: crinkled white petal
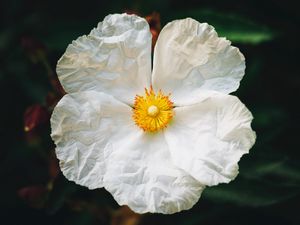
207	139
140	174
115	58
84	126
189	57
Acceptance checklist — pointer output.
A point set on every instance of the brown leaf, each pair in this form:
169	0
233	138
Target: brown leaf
125	216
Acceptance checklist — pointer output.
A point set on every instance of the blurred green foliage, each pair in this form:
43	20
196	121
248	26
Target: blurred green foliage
267	191
234	27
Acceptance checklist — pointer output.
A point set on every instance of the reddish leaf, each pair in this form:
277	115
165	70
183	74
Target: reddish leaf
154	21
35	116
57	86
155	26
154	37
53	166
35	50
131	12
51	100
33	195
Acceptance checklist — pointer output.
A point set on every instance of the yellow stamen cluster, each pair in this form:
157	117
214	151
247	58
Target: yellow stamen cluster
152	112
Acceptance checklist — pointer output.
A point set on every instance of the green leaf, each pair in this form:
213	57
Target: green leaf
62	189
63	33
283	171
82	218
234	27
250	192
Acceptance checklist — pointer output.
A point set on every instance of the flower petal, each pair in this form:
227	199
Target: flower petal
208	139
115	58
140	174
190	57
84	125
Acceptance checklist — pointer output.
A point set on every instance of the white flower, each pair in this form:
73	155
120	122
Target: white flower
153	151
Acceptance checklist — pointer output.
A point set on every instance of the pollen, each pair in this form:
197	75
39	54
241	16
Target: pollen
152	112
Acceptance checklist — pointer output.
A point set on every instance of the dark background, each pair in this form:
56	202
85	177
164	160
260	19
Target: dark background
35	33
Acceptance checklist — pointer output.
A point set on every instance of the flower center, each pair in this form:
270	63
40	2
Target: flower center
152	112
